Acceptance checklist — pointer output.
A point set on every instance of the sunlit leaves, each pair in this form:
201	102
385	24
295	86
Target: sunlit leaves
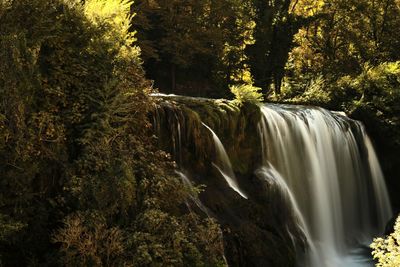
247	93
116	14
387	250
75	141
307	8
346	35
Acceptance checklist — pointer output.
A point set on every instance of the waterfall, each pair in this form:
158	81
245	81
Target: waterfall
312	178
224	165
193	195
275	179
378	181
332	173
176	121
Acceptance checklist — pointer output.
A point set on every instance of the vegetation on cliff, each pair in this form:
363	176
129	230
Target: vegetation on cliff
81	180
341	54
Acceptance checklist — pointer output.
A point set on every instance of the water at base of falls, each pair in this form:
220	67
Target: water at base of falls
332	173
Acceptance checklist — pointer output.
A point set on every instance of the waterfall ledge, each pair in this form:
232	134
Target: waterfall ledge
326	192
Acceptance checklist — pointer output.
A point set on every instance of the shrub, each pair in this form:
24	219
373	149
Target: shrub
90	242
386	251
247	93
76	145
317	92
380	85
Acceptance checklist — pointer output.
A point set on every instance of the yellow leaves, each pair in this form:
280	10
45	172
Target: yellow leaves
77	111
387	250
114	18
383	76
307	8
317	92
393	68
114	12
4	5
8	226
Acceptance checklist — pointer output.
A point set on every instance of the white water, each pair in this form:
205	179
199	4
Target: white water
378	180
175	119
337	193
269	174
224	165
193	195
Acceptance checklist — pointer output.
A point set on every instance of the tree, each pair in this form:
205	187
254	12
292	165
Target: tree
275	26
194	45
347	35
82	181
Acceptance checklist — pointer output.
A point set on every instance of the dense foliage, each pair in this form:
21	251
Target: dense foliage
247	93
387	250
81	181
203	47
347	35
348	40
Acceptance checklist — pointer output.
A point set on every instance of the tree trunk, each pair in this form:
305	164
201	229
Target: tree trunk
277	84
173	77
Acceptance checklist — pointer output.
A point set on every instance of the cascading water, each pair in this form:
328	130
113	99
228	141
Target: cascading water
224	165
175	119
193	197
275	179
330	167
317	178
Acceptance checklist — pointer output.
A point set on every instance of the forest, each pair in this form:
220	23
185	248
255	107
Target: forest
198	132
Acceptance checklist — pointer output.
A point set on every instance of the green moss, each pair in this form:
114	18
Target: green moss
247	223
231	122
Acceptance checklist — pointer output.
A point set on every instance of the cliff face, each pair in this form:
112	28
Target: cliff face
258	231
386	137
279	179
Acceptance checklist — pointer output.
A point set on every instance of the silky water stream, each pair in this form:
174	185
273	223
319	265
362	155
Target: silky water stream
323	165
330	167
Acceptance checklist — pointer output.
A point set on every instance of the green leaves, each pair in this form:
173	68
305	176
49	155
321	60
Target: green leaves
76	144
346	35
247	93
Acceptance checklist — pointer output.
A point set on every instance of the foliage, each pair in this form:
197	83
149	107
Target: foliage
347	35
380	83
247	93
316	92
375	96
76	145
193	45
203	47
273	35
8	227
377	87
90	243
387	250
200	44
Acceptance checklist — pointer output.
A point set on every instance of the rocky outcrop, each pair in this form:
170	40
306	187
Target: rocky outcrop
258	230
